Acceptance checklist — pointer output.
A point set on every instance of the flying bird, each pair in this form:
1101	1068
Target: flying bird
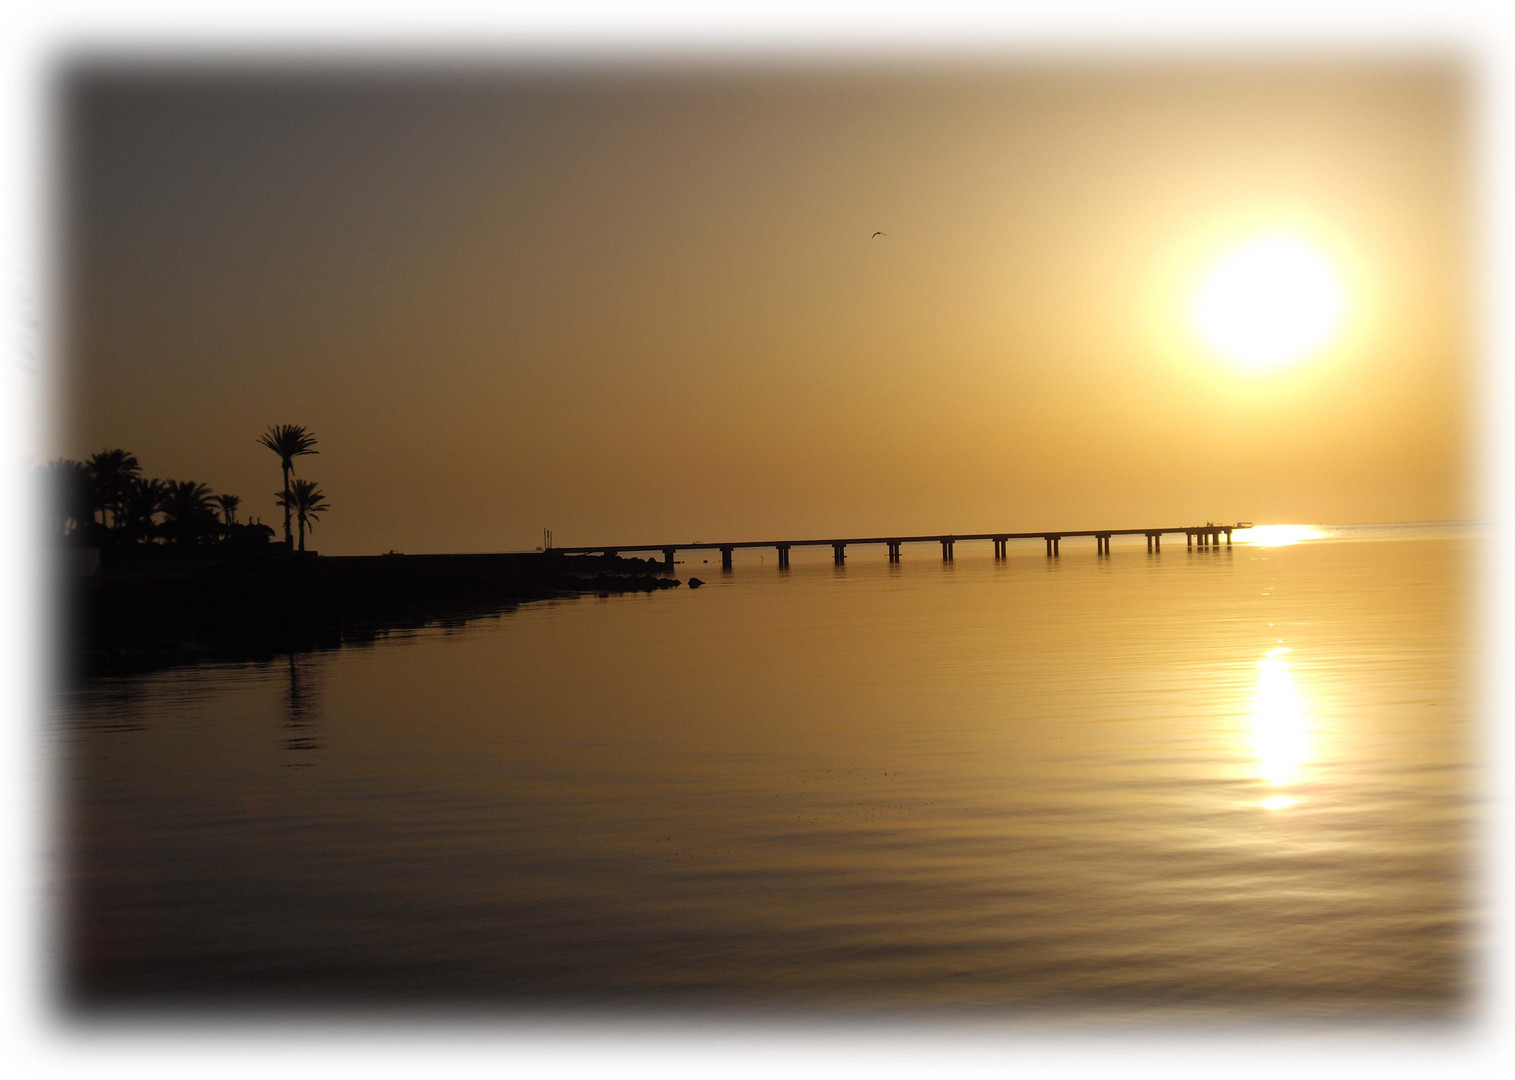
878	234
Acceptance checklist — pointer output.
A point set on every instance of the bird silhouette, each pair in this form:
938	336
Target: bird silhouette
878	234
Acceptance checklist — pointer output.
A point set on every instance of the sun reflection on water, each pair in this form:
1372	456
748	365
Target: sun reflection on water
1277	535
1280	726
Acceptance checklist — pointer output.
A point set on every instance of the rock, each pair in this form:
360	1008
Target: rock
695	583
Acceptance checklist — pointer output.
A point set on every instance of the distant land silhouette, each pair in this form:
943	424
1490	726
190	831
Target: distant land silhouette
153	572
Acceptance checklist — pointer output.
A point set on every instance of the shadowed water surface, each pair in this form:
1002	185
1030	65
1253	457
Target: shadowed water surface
1231	783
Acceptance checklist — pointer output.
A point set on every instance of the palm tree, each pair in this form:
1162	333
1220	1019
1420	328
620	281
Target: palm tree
307	501
144	499
289	441
188	513
69	495
112	472
228	505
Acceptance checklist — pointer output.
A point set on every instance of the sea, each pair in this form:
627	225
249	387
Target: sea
1229	783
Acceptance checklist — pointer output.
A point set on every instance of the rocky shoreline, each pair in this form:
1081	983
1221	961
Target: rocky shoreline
139	614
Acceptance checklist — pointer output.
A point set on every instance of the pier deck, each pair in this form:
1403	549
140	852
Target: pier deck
1204	536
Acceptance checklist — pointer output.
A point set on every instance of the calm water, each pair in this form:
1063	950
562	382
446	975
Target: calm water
1233	783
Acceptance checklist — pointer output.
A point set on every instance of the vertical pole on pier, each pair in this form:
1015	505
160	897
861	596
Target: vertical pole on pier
894	551
839	553
783	556
726	557
946	551
1057	545
1149	543
668	559
1188	538
1228	538
1048	539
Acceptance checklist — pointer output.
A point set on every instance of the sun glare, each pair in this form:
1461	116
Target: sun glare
1277	535
1269	302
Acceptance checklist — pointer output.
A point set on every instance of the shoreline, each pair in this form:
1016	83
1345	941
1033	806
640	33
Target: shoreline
138	615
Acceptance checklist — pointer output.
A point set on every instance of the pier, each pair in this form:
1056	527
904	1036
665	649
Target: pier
1205	537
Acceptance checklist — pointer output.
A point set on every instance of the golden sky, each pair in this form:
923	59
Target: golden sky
638	304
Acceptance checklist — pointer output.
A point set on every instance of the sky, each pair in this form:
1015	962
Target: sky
641	303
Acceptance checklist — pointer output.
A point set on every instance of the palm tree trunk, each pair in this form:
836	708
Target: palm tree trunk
302	533
289	540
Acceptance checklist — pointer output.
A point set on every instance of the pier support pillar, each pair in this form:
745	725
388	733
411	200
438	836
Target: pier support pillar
946	551
668	559
1188	538
1149	543
783	556
1228	538
1000	545
894	550
726	558
839	553
1057	544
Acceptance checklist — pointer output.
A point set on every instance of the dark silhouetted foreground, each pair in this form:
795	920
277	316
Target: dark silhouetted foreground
154	608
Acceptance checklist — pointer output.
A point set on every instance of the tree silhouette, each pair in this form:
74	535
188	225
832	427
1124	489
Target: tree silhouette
188	511
144	499
228	505
68	496
111	472
289	441
307	502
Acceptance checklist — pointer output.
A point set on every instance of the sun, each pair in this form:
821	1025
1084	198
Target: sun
1269	302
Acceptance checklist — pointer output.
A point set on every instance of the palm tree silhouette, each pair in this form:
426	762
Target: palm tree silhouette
111	472
307	501
228	505
144	498
289	441
188	510
70	500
